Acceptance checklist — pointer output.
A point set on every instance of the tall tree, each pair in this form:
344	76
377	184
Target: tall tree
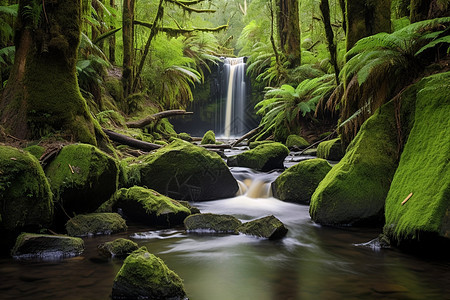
419	10
42	94
128	45
112	39
288	26
325	9
366	17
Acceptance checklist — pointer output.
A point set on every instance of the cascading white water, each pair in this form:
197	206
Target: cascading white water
234	122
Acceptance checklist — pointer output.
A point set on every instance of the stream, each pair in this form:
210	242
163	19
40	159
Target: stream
311	262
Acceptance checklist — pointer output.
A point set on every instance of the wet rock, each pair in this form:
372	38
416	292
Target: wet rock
211	223
298	183
146	206
355	189
184	171
296	141
264	157
95	224
268	227
145	276
82	177
209	138
331	150
30	245
193	209
255	144
117	248
25	195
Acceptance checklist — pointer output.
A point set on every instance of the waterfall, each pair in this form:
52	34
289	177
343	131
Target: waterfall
235	106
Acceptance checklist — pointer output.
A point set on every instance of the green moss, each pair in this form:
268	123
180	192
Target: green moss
184	171
268	227
298	183
185	136
35	150
257	143
212	222
423	168
82	177
95	224
25	195
209	138
296	141
332	149
264	157
145	276
111	118
355	189
118	248
147	206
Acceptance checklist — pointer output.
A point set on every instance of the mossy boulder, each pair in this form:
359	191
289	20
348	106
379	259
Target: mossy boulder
267	227
353	192
185	137
296	141
82	177
264	157
117	248
255	144
211	223
298	183
146	206
25	195
184	171
193	209
331	150
424	170
145	276
31	245
209	138
35	150
95	224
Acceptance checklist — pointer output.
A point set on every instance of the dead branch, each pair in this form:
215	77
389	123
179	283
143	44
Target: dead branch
155	117
248	135
126	140
214	146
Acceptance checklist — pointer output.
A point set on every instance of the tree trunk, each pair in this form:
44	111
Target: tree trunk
128	44
402	8
419	10
42	95
344	22
288	26
325	9
112	39
365	18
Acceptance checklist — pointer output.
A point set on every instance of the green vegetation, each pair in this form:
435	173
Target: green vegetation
95	224
265	157
31	245
211	223
332	149
118	248
209	138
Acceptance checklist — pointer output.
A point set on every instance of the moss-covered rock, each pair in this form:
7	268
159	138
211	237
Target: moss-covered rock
298	183
296	141
209	138
82	177
147	206
145	276
211	223
424	169
265	157
331	150
193	209
30	245
268	227
25	195
95	224
117	248
255	144
184	171
185	137
35	150
355	189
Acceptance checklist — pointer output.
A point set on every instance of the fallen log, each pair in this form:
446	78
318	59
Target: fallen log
248	135
214	146
155	117
126	140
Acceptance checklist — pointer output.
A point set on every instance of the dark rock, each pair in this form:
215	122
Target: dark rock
95	224
211	223
193	209
30	245
268	227
145	276
118	248
264	157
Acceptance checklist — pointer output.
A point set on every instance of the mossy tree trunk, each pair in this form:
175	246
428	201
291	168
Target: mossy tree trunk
365	18
42	95
342	6
112	39
128	42
288	26
401	8
325	9
419	10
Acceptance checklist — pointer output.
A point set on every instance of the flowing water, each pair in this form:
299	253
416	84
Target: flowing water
311	262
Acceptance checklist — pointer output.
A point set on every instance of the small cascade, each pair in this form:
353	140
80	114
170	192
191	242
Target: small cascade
253	184
235	106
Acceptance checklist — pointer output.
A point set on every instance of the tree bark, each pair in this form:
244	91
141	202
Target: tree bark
156	117
365	18
325	9
128	46
126	140
288	26
42	95
419	10
112	39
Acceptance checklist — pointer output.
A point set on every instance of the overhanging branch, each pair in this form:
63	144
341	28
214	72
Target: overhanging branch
173	30
185	5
